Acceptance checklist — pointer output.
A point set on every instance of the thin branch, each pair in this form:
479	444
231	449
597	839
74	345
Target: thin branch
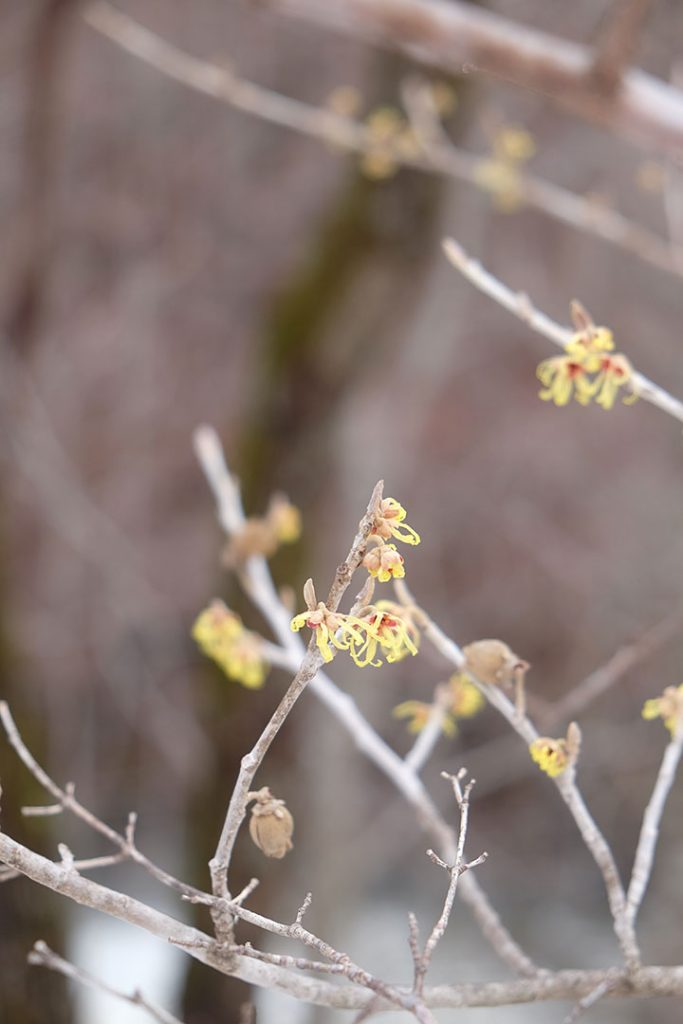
423	959
308	669
258	585
622	661
437	154
619	41
565	783
68	801
427	738
561	985
460	37
649	832
89	864
598	993
42	956
519	305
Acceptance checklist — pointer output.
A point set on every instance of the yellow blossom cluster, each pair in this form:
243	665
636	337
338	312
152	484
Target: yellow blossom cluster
555	756
381	630
262	535
458	699
382	559
589	370
221	635
501	174
668	707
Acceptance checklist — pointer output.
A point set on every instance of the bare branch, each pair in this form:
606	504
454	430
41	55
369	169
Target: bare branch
619	41
69	802
622	661
589	1000
42	956
459	37
437	155
649	832
423	959
520	306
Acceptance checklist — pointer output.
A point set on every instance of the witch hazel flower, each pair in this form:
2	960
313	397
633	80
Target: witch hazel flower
668	707
384	562
332	629
555	756
389	522
589	370
222	637
390	633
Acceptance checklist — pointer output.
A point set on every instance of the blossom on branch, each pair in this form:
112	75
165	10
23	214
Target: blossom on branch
384	562
668	707
389	522
221	635
555	756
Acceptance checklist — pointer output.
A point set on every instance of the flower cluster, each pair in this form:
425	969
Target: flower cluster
555	756
589	369
380	629
501	174
391	141
262	535
668	707
383	560
458	699
221	635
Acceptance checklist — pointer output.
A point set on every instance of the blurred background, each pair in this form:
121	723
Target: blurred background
169	260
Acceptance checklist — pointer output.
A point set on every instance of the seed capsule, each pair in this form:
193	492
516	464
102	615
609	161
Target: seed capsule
271	825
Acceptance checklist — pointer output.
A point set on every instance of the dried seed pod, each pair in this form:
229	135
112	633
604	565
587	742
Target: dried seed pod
493	662
271	825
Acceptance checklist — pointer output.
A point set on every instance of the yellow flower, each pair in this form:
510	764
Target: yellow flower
514	143
465	700
615	372
419	713
384	562
563	377
388	632
551	756
221	635
389	523
345	100
590	369
332	629
668	707
284	520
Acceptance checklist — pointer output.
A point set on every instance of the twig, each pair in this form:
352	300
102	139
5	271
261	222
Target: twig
68	801
89	864
459	37
565	783
619	40
622	661
649	832
42	956
437	155
427	738
589	1000
309	667
258	585
422	959
520	306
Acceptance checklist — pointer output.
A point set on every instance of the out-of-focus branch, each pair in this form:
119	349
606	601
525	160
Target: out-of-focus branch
42	956
436	155
520	306
459	37
649	833
604	677
619	38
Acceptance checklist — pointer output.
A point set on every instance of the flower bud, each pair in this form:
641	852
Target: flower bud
271	825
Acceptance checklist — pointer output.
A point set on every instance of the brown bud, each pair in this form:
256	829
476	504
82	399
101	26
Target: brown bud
492	661
271	825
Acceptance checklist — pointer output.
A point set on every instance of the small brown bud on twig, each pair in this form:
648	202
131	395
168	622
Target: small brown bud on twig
271	824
